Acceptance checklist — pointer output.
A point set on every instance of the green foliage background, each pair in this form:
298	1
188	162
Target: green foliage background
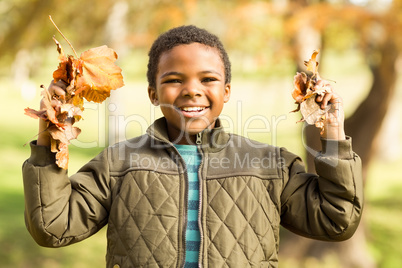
263	70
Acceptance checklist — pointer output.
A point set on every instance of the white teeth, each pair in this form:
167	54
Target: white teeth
192	109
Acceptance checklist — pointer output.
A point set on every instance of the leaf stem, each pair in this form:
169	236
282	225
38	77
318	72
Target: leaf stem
57	28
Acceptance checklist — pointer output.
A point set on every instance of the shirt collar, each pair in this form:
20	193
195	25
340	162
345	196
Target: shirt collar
212	140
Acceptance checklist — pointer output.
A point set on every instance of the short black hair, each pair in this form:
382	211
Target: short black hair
184	35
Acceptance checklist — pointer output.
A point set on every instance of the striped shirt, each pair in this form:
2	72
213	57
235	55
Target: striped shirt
192	159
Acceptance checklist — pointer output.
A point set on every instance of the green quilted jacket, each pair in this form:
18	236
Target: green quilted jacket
247	189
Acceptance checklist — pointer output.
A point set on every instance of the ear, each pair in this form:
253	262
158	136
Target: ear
226	95
153	96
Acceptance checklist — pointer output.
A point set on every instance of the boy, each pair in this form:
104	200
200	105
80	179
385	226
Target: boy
204	197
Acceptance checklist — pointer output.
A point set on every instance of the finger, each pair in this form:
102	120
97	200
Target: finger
56	104
321	83
319	98
60	92
61	84
57	88
327	97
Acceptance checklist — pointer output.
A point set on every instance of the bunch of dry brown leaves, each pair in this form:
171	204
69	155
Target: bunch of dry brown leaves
305	93
91	76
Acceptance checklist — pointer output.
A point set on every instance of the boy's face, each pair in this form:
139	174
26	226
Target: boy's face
191	89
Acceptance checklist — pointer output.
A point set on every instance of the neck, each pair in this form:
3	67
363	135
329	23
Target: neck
184	138
180	137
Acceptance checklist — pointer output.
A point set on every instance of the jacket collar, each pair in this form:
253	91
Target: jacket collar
212	140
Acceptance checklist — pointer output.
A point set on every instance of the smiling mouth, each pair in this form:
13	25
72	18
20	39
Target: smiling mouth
192	109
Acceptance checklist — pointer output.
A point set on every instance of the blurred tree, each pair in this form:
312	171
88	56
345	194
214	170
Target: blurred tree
26	24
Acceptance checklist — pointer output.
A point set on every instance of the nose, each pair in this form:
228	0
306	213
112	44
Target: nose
192	89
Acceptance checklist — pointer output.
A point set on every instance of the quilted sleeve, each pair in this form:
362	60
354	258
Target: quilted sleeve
326	206
60	210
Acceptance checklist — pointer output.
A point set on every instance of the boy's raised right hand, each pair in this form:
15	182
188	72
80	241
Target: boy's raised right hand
57	91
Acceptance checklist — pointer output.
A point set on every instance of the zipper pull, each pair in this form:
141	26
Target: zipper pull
198	140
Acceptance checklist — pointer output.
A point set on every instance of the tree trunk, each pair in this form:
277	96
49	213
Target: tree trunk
116	35
365	123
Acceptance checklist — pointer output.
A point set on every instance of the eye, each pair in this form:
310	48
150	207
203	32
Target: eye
209	79
172	81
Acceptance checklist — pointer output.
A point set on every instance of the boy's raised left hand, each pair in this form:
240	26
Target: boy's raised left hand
333	128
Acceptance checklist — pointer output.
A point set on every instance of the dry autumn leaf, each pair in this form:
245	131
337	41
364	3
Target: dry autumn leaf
300	87
91	76
99	74
62	155
312	64
311	111
305	93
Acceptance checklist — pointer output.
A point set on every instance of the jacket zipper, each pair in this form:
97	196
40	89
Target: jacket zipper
199	142
185	222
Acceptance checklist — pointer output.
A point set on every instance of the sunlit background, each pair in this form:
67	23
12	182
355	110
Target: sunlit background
360	53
